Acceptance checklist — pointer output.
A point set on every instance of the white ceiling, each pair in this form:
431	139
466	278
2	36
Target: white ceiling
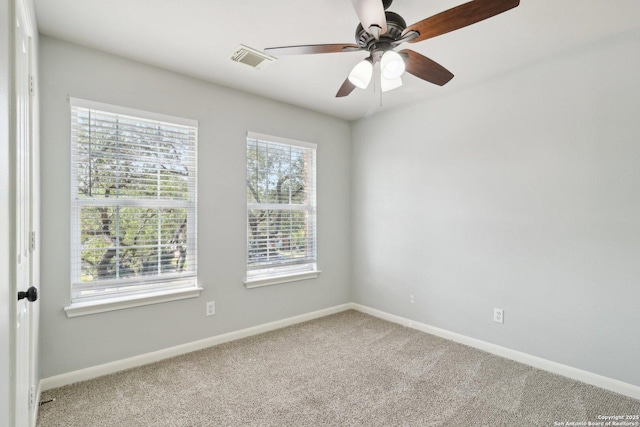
196	37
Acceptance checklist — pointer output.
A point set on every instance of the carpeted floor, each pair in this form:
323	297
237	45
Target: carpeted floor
348	369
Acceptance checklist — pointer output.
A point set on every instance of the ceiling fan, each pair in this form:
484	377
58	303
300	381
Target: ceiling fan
380	32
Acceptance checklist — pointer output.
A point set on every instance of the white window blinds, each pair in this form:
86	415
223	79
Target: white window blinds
281	207
133	201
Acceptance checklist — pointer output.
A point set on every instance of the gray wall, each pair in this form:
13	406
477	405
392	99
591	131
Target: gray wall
225	116
521	193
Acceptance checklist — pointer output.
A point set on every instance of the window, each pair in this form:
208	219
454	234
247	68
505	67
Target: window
133	203
281	210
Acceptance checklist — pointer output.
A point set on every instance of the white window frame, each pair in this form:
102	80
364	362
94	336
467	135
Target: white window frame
135	291
271	275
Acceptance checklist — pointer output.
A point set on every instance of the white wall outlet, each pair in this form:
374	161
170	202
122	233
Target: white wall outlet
498	315
211	308
411	299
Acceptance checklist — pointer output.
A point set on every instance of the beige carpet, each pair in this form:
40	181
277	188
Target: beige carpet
348	369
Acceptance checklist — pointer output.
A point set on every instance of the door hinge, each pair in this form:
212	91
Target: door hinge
32	241
32	396
32	86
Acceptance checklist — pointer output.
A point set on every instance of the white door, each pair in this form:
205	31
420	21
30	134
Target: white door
24	360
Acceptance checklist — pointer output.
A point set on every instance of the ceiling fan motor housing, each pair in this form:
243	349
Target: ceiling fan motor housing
395	26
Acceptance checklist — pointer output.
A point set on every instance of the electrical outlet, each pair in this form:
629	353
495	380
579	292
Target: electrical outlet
211	308
411	299
498	315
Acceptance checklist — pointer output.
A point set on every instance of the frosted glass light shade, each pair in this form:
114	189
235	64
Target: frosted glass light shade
387	85
361	74
392	65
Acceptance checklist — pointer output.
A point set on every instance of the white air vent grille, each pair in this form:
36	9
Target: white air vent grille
251	57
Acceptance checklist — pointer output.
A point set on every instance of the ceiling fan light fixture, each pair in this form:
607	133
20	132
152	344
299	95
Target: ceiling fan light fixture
387	85
392	65
361	74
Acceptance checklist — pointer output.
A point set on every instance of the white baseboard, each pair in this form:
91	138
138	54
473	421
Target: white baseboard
144	359
606	383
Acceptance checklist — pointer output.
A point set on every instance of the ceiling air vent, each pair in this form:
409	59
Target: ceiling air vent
251	57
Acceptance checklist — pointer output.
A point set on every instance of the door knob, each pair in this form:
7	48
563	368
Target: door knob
31	295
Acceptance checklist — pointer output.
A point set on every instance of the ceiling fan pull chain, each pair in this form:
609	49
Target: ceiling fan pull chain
379	80
376	76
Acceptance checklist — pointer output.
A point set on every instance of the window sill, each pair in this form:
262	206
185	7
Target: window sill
111	304
275	280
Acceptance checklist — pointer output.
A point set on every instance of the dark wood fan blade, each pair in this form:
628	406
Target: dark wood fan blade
371	12
311	48
459	17
425	68
346	88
